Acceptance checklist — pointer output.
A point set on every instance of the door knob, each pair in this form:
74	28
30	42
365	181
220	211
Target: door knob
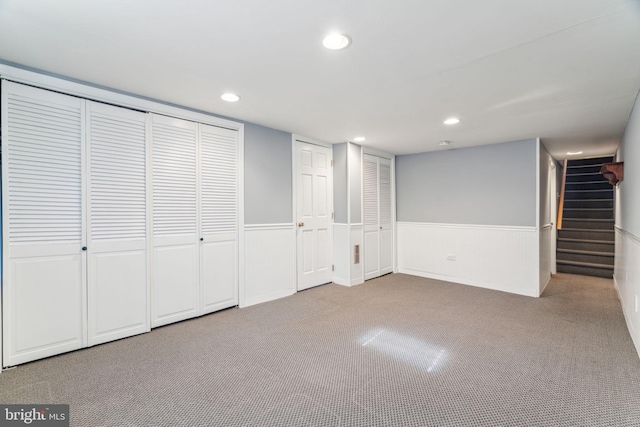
301	224
202	239
84	248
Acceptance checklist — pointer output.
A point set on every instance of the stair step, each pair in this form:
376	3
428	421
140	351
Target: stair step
567	239
606	273
585	177
580	169
588	213
589	203
599	181
589	257
581	252
586	234
588	195
586	264
588	186
590	160
588	223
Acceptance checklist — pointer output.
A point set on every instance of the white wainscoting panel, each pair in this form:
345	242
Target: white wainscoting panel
357	270
546	232
626	278
270	263
503	258
341	254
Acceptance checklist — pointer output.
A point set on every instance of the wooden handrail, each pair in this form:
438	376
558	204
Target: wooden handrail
564	183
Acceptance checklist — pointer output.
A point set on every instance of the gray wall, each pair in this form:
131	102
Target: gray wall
355	182
340	183
628	203
267	175
488	185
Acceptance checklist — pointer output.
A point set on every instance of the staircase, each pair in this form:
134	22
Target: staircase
586	240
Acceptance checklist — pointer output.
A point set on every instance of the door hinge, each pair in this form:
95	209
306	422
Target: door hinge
333	267
331	215
332	163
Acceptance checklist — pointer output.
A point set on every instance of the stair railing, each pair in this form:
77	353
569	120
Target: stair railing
564	184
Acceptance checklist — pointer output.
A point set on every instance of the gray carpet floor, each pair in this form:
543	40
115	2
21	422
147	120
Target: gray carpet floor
395	351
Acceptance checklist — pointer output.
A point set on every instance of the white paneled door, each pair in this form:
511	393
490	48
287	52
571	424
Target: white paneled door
378	217
44	280
314	208
175	291
218	218
116	238
195	219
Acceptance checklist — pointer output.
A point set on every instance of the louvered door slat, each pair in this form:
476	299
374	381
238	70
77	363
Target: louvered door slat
218	168
122	191
370	195
385	195
174	179
39	163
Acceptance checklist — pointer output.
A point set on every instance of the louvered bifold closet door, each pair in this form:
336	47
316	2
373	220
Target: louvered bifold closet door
378	217
219	218
44	281
371	198
117	266
174	281
385	246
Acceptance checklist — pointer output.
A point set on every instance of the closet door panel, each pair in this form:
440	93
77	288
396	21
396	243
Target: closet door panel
378	217
219	281
371	217
219	218
386	217
175	291
175	281
117	285
44	299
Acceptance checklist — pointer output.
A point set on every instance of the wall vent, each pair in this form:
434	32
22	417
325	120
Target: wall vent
356	254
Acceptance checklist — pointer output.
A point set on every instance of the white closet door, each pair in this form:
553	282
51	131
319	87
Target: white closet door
378	217
386	217
218	218
44	299
174	290
371	217
117	282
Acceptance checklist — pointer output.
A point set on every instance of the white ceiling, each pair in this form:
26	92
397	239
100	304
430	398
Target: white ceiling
566	71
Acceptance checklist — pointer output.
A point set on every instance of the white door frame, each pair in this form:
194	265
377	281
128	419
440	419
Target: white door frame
294	199
553	212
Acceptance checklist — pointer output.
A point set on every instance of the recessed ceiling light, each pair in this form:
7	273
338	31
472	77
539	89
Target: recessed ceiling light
230	97
573	153
336	41
359	138
444	143
452	121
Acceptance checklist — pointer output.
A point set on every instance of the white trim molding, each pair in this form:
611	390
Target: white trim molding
626	278
545	256
503	258
85	90
269	253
